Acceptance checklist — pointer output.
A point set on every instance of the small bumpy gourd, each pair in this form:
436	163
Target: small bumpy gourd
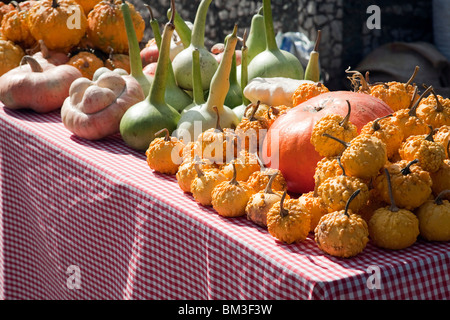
434	110
441	177
392	227
186	172
164	155
336	191
287	221
411	185
387	131
251	131
337	126
434	219
259	179
245	165
363	156
203	185
342	233
261	202
229	198
314	206
327	167
306	91
430	154
442	135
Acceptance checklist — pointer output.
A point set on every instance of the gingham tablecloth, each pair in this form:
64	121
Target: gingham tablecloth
89	220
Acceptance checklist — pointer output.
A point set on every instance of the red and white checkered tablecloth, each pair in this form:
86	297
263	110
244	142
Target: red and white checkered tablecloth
94	209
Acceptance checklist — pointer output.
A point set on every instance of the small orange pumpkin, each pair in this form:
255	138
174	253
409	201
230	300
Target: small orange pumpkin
87	63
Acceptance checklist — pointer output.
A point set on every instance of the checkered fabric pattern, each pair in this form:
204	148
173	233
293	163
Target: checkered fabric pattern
130	233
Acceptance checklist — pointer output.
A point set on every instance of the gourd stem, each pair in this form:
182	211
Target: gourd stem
183	30
158	88
345	144
357	74
393	207
268	23
438	199
376	126
255	108
244	68
220	83
167	134
416	69
268	188
340	165
33	63
218	127
197	89
353	196
407	170
198	170
198	29
55	4
439	106
233	180
316	45
344	121
283	212
412	111
429	137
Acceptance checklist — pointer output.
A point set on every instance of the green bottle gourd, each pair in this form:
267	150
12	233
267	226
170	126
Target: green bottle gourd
142	120
256	41
197	92
234	95
240	110
182	29
274	62
182	63
175	96
134	51
200	118
312	71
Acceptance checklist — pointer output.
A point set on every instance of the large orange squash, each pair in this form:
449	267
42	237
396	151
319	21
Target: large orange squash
287	143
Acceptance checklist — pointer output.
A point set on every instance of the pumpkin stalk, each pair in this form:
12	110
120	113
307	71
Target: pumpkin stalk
55	4
376	126
197	169
345	144
416	69
255	108
429	137
167	134
353	196
283	212
233	180
407	170
344	121
33	63
268	188
341	166
393	206
412	110
439	201
362	80
439	106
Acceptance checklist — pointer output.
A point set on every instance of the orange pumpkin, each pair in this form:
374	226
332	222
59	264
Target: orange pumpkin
87	63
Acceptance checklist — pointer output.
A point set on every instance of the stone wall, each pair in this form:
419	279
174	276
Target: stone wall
345	36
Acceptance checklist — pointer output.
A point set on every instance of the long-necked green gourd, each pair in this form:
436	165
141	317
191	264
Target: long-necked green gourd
182	63
134	51
256	41
234	95
197	93
182	29
312	71
274	62
240	110
142	120
175	96
200	118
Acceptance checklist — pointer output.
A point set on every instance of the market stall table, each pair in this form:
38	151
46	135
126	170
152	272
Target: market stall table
89	220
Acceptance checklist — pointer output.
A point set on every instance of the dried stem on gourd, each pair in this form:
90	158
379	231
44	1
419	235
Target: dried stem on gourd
376	126
429	137
439	201
55	4
393	206
33	63
167	134
198	169
340	165
233	180
268	188
255	108
353	196
345	144
358	80
407	170
416	69
413	109
283	212
344	122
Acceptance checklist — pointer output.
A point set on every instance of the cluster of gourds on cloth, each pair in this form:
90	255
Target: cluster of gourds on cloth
267	94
